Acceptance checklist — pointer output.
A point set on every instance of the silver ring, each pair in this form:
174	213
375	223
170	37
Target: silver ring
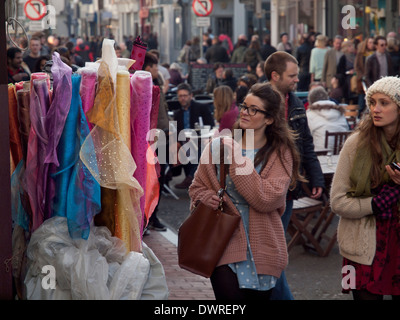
10	21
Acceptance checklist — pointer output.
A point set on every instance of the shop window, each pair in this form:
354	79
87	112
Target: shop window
224	26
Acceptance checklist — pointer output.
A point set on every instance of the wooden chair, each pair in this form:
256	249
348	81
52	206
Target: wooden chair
322	152
311	235
339	139
351	115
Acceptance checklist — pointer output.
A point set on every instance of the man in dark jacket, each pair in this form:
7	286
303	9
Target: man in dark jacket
378	64
282	71
16	72
186	118
216	53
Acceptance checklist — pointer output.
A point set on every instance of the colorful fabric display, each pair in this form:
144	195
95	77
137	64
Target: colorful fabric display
80	149
112	157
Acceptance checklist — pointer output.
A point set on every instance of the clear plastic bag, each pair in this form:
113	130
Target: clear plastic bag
95	269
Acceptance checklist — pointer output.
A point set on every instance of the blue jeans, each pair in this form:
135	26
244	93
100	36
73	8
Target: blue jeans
282	290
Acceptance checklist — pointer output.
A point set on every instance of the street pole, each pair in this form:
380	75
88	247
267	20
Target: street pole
201	43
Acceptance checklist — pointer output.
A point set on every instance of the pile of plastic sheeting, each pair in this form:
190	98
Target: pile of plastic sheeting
93	269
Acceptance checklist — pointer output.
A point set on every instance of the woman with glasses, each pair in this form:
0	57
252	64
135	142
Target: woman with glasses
258	179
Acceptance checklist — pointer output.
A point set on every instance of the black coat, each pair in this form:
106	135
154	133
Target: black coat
196	110
310	165
217	53
371	73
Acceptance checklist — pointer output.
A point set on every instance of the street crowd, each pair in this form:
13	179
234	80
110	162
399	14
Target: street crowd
332	72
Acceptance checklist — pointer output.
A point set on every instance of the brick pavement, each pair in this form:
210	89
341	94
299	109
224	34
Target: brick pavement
182	284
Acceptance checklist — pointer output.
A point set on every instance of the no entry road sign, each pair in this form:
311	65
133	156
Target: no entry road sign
35	9
202	8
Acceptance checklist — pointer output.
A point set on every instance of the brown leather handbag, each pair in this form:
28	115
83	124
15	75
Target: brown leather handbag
204	235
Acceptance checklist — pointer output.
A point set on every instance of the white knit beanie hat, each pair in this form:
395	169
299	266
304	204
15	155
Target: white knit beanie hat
389	86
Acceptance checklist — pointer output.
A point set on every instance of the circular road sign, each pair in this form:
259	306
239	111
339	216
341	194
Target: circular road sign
35	9
202	8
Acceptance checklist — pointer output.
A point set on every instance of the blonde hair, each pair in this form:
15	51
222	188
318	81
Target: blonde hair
223	99
321	40
346	45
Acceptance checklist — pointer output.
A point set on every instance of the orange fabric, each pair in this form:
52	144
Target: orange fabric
152	193
15	139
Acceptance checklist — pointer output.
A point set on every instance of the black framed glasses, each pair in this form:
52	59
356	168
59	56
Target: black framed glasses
252	111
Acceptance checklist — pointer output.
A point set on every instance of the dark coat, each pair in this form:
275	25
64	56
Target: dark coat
196	110
371	72
310	165
217	53
266	51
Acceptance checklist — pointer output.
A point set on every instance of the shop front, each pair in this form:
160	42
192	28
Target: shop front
296	18
362	18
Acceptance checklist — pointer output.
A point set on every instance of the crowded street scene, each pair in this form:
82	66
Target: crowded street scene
200	152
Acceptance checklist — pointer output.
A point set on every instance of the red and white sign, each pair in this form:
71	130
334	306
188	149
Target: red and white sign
202	8
35	9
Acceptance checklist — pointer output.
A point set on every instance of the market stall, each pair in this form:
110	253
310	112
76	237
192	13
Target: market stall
82	190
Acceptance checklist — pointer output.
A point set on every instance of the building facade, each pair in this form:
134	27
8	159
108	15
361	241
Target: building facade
173	22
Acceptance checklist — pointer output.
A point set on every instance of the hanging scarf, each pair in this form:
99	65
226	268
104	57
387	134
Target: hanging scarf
77	195
361	172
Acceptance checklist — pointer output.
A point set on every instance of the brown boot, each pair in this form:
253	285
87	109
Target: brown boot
185	183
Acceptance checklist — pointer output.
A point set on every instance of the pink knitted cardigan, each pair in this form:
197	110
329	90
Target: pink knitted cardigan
266	196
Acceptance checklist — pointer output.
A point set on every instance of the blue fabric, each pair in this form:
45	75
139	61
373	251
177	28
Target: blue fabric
282	290
246	270
19	197
77	192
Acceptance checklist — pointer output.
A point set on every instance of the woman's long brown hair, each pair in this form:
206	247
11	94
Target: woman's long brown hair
278	134
370	139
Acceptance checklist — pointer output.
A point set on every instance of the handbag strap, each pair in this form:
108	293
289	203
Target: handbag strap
223	167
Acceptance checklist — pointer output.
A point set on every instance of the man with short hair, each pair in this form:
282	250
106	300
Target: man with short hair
282	71
379	64
165	76
186	117
331	61
216	53
215	79
15	71
32	58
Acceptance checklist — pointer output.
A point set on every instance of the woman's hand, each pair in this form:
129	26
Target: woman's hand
213	202
394	174
316	193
